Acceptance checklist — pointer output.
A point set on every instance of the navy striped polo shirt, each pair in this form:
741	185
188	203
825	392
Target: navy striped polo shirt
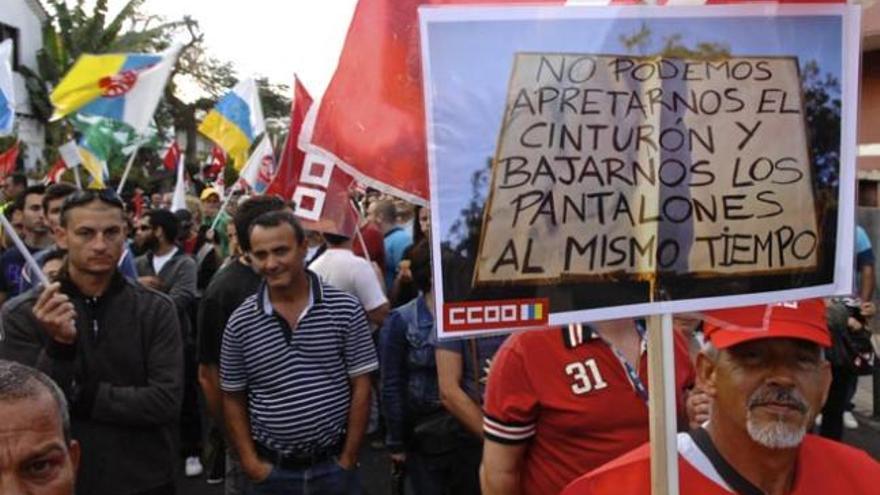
297	382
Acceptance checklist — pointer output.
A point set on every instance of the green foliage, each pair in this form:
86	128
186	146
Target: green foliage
75	29
275	99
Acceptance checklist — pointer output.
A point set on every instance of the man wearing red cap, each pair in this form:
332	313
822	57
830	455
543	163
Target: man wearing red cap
765	371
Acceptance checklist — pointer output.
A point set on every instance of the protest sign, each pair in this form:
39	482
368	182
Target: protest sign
638	166
696	158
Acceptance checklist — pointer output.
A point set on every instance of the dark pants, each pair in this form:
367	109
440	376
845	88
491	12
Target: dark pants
832	413
161	490
190	412
327	478
455	473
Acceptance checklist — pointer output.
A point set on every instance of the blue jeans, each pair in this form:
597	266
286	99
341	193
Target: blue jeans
327	478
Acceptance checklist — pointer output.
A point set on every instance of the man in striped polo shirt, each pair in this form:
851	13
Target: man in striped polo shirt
294	371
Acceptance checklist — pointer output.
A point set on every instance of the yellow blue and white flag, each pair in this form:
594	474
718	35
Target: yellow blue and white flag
236	121
125	87
7	94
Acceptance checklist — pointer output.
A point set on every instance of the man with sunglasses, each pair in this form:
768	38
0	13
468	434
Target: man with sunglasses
112	345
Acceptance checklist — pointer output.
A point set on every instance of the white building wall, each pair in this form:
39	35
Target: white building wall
28	18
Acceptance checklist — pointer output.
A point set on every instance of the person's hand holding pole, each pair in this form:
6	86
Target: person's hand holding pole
56	314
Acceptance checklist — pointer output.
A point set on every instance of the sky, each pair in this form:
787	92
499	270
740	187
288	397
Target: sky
272	38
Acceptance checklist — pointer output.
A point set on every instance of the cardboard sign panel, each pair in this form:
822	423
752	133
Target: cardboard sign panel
629	166
597	163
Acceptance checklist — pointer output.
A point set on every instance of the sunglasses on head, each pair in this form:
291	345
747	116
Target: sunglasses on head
107	196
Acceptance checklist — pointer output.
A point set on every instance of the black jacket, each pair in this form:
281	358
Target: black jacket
122	377
178	276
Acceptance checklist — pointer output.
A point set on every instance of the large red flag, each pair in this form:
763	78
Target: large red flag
7	160
316	184
292	158
372	116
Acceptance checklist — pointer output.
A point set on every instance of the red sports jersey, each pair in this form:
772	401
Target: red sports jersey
824	467
567	393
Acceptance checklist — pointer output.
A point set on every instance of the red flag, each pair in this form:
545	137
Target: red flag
290	164
172	156
372	115
322	197
7	160
57	170
218	163
318	186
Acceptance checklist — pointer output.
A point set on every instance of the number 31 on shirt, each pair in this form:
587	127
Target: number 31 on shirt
585	376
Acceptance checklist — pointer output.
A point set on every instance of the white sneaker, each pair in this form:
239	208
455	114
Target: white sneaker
818	420
849	421
193	467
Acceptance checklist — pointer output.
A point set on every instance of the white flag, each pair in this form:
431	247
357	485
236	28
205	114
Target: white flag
7	94
178	201
260	167
69	152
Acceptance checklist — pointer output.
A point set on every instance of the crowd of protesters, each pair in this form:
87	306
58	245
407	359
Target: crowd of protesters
233	344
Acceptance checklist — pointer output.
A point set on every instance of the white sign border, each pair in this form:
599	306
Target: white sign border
850	40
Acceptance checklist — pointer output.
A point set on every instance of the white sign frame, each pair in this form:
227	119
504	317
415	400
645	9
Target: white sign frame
842	282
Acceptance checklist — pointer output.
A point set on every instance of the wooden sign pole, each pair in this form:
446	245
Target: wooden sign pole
661	406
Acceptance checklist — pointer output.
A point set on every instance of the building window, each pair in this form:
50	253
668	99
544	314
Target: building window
8	32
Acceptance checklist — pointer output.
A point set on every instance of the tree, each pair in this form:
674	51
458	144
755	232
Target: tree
74	30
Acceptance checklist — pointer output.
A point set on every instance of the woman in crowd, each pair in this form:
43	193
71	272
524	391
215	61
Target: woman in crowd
421	435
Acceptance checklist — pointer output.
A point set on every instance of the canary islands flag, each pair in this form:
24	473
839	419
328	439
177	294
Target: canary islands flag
236	121
124	87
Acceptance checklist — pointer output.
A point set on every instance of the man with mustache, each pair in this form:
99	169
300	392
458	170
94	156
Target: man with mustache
766	373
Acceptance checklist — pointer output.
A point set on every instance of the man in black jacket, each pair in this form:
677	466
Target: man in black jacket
167	268
112	345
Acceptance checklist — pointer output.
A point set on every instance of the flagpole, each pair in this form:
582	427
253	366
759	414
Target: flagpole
128	167
357	230
77	177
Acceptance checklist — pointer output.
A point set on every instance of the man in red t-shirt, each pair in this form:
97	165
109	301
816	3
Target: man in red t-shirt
767	376
564	401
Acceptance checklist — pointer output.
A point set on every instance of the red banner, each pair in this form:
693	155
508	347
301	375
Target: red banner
372	115
292	158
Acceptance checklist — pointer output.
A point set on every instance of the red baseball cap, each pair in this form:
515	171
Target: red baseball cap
798	320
